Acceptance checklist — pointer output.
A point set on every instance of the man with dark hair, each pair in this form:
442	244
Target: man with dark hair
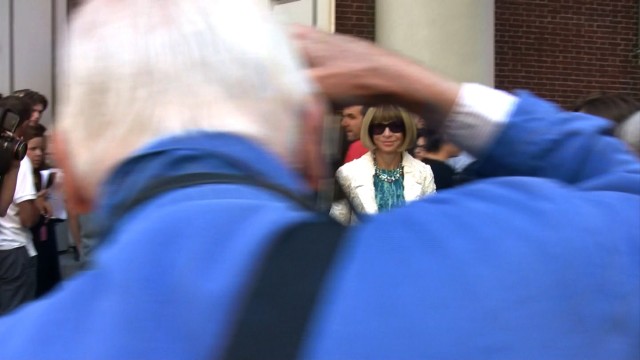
620	109
434	149
351	122
612	106
38	103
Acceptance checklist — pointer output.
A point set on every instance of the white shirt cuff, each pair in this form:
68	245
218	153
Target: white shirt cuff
478	116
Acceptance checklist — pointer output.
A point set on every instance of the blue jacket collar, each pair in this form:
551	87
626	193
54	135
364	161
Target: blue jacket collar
189	153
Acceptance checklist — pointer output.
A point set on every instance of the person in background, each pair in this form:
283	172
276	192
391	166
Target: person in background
629	132
43	232
386	176
38	103
351	122
418	150
67	225
9	165
433	149
615	107
618	108
18	260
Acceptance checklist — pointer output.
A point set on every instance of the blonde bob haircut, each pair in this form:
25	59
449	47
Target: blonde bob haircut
386	114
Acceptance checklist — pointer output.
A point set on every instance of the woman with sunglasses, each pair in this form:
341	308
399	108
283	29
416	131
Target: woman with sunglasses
387	176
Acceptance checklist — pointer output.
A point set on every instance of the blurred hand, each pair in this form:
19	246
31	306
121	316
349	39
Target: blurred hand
43	205
78	254
346	67
343	66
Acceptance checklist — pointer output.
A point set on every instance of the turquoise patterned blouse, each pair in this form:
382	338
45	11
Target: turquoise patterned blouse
388	194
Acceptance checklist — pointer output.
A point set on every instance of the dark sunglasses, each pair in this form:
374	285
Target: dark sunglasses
394	127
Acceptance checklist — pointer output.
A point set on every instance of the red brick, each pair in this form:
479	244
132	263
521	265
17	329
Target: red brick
571	48
356	17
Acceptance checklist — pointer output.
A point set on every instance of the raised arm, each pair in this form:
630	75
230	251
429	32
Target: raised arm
512	135
532	137
26	197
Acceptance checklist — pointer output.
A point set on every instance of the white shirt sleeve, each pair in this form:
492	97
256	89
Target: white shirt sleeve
480	112
25	187
55	196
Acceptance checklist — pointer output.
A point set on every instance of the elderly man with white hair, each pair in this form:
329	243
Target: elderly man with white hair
539	259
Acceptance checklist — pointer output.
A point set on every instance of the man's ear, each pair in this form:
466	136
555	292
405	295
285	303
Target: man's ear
313	165
77	199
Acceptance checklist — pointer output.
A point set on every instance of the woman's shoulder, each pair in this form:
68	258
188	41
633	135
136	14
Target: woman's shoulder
416	165
355	166
408	160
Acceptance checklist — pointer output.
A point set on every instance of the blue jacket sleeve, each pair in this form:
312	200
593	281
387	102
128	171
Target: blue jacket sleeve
542	140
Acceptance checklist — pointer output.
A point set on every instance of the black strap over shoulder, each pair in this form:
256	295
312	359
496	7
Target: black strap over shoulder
273	322
193	179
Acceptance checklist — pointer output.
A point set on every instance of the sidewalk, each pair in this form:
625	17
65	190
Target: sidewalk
68	265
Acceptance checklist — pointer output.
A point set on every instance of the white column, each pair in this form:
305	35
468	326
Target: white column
5	46
453	37
33	48
30	30
318	13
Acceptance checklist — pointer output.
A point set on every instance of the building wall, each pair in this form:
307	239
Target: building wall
564	50
29	32
318	13
356	17
454	38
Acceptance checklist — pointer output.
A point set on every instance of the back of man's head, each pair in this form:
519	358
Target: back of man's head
138	70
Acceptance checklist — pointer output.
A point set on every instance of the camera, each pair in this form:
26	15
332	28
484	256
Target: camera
10	148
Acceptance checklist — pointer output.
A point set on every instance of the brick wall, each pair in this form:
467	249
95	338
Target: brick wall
356	17
564	50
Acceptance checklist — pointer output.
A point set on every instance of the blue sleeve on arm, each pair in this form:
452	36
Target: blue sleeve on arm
542	140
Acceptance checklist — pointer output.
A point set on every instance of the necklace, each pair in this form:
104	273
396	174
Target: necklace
387	175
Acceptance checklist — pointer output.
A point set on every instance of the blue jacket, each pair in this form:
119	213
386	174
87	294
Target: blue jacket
538	260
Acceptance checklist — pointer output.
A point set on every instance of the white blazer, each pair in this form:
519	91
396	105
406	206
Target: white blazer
356	179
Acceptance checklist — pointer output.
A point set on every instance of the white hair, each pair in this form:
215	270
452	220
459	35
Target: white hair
138	70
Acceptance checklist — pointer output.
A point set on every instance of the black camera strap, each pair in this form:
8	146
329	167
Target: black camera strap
273	321
169	183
